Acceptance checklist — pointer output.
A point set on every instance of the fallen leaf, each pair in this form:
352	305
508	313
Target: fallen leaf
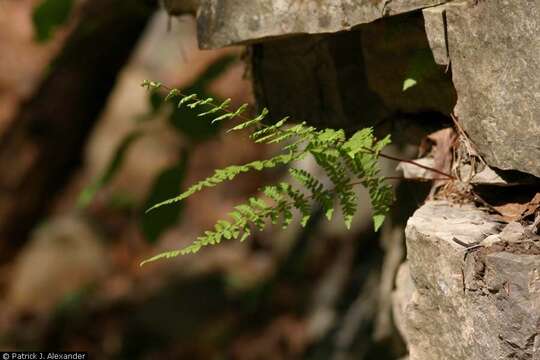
442	149
532	206
517	211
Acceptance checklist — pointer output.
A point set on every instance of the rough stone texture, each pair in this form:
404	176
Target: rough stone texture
226	22
435	24
352	79
320	79
485	305
495	54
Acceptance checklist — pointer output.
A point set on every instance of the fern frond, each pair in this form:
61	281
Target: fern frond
186	100
347	162
321	195
229	173
249	123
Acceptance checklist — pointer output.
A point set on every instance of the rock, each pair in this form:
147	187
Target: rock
226	22
319	79
480	305
401	297
435	25
180	7
63	256
495	54
396	51
352	79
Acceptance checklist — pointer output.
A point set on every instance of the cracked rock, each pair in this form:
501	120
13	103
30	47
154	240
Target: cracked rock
484	304
495	54
227	22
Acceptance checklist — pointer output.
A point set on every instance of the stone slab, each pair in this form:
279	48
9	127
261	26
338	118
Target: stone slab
227	22
480	305
495	54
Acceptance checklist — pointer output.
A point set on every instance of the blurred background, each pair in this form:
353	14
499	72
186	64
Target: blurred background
84	150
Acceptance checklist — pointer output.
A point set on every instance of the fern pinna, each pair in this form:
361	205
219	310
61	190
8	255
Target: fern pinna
346	161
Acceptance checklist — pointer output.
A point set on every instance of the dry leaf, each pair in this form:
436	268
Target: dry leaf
442	150
532	206
518	211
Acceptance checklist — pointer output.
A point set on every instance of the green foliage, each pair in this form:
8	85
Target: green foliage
48	16
346	161
408	83
169	181
187	120
421	67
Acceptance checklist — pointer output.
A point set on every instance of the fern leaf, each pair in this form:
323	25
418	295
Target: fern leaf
229	173
172	94
186	100
252	122
165	255
216	108
346	162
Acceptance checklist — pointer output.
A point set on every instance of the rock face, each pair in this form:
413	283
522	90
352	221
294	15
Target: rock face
493	46
352	79
226	22
318	79
495	54
481	305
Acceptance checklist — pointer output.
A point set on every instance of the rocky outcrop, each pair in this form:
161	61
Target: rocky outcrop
352	79
451	302
492	46
226	22
481	303
494	50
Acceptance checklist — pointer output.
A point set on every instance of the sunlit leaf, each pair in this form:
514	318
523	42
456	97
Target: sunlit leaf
408	83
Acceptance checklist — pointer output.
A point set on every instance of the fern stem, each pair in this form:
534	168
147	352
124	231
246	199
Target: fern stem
394	158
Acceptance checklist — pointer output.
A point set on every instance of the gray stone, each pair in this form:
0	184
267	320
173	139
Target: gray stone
226	22
401	297
435	25
495	54
480	305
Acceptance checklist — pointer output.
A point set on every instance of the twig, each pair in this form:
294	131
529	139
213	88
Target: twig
448	176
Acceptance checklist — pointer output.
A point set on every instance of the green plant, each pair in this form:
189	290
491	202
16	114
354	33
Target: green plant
347	162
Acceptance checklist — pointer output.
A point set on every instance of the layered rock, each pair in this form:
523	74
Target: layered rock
226	22
482	303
